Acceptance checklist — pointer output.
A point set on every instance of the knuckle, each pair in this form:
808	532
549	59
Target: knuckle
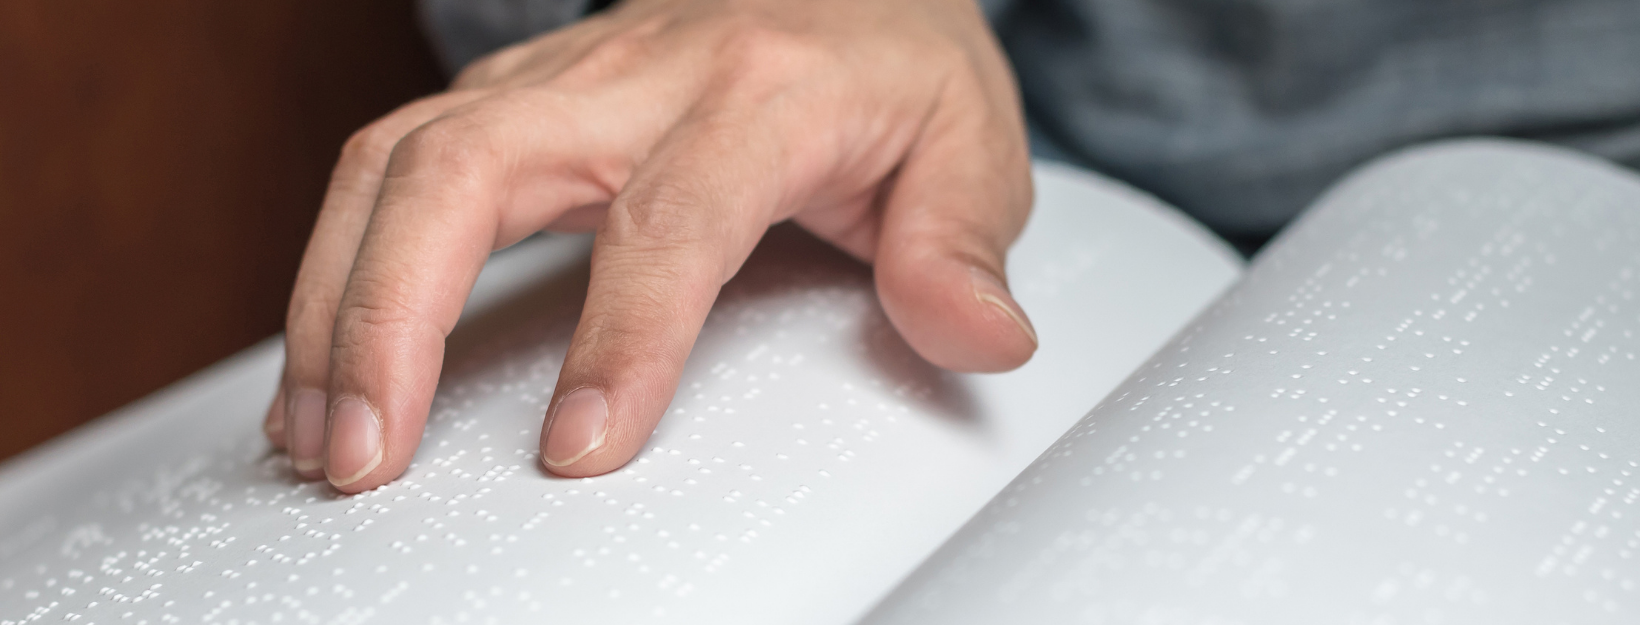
759	52
373	299
493	67
480	72
664	214
357	324
456	143
358	171
370	143
613	54
475	74
967	235
377	326
962	238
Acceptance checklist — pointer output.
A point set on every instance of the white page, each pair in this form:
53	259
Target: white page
809	462
1423	406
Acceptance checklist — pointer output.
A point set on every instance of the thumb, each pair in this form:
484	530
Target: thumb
957	203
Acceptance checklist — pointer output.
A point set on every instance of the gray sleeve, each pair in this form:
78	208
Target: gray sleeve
995	8
464	30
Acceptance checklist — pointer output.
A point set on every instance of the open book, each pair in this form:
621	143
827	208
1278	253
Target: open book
1419	405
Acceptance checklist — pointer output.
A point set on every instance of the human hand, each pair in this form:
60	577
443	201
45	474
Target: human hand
679	130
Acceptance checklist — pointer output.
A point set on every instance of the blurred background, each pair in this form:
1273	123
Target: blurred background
161	164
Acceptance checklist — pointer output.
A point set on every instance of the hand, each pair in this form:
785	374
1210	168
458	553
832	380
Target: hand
679	130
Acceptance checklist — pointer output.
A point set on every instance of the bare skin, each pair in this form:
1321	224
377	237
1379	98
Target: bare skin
678	130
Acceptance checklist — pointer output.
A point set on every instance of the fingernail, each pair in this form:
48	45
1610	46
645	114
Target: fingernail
307	431
275	428
577	427
274	424
989	289
355	442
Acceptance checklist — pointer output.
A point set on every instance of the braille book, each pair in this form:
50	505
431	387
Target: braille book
1420	404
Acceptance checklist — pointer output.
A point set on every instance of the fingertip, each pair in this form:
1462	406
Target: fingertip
604	460
355	448
580	437
305	432
957	315
367	447
577	428
992	291
310	470
273	425
353	485
597	462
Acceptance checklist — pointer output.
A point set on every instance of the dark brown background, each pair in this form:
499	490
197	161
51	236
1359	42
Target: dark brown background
161	163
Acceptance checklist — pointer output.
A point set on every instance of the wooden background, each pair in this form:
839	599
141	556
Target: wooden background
161	163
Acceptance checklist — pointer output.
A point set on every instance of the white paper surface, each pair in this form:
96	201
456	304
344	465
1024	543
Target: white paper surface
809	462
1422	406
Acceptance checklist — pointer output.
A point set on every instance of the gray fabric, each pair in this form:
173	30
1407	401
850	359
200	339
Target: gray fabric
464	30
1241	111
